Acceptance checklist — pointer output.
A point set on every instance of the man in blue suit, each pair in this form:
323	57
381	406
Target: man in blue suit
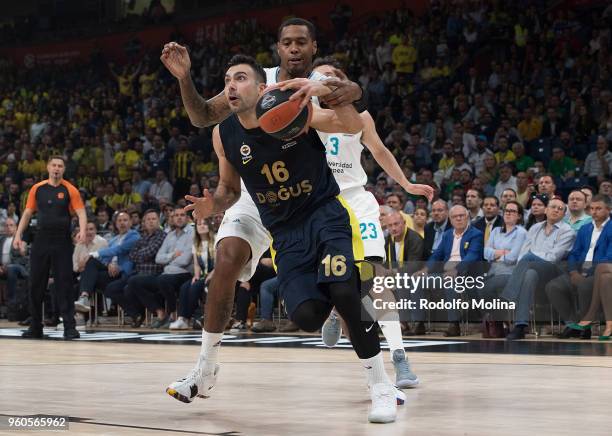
593	245
109	263
459	251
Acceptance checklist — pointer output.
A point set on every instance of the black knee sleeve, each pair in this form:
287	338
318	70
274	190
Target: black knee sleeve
347	299
311	314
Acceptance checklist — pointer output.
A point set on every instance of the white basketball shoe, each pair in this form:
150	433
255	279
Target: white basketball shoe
196	384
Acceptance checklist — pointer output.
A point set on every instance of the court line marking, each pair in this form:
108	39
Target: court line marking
310	362
91	421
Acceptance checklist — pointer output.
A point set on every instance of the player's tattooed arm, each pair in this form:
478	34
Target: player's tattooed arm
202	112
387	161
228	189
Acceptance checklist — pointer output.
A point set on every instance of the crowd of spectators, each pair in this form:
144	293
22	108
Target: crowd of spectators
491	103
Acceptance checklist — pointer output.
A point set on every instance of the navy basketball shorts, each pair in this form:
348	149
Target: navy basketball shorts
322	248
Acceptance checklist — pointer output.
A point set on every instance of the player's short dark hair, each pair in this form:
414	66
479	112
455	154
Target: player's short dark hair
327	60
56	156
297	22
239	59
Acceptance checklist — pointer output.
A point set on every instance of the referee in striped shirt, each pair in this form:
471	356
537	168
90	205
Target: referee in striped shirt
54	200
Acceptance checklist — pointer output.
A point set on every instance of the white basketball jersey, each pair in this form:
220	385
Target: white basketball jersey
273	73
343	152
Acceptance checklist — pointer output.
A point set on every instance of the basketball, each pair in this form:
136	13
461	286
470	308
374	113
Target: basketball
280	117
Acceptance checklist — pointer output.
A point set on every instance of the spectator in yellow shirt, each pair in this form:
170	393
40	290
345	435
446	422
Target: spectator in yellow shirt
129	197
404	57
32	167
504	154
531	127
147	81
126	162
125	80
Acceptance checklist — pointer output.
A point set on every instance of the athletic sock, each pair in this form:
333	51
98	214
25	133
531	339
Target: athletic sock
211	342
393	334
375	369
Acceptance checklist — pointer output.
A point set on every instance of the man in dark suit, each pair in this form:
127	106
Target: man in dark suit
578	283
460	248
404	249
491	218
436	228
403	244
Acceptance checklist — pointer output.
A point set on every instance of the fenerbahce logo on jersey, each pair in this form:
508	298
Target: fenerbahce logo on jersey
284	193
245	151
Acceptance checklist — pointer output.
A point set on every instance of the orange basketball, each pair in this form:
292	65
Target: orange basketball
280	117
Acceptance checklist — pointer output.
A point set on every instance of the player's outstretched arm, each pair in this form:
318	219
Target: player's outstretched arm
202	113
387	161
228	189
341	119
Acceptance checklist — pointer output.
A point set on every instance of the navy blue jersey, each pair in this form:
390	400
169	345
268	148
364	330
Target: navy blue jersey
287	180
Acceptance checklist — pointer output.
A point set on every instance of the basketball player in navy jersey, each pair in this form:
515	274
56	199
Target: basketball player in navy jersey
297	198
242	239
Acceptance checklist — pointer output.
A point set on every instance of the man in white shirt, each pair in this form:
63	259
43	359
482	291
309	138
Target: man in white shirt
506	180
473	202
593	242
93	242
161	189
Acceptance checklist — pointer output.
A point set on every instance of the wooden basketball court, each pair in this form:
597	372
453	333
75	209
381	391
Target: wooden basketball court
115	388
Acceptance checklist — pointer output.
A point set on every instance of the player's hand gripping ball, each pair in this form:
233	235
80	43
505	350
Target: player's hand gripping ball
280	117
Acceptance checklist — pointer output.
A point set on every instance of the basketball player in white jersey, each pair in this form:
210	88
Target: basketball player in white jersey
241	239
344	158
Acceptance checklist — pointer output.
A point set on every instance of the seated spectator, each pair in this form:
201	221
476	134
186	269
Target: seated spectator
522	162
506	180
158	293
523	188
161	188
135	220
473	203
246	292
491	218
403	244
269	291
436	228
420	218
504	154
576	204
546	244
107	264
605	188
93	242
598	163
104	225
601	299
593	247
142	254
537	209
476	159
560	165
546	185
502	250
14	262
396	201
193	291
460	247
508	195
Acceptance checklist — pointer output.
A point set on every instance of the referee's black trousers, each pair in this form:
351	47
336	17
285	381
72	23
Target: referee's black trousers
52	254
